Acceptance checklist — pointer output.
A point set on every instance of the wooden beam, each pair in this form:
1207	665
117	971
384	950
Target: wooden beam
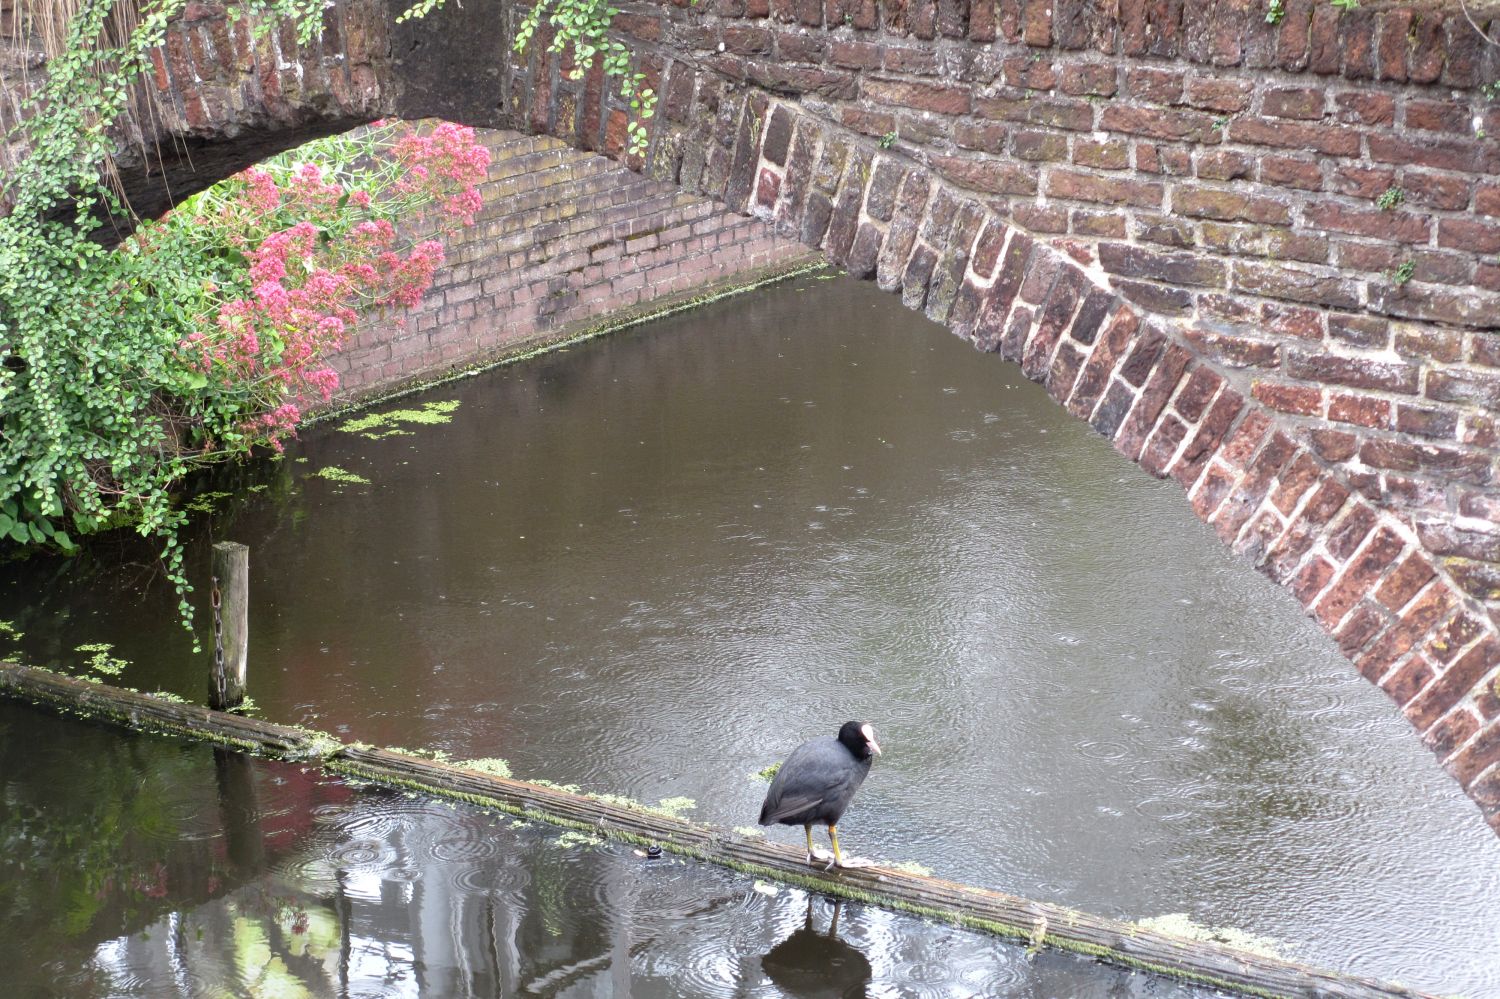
231	599
1043	924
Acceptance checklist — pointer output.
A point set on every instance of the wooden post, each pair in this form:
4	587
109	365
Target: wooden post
230	595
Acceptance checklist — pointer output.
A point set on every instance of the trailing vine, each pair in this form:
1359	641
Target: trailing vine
582	27
198	339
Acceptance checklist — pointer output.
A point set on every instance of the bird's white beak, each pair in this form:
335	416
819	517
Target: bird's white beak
869	734
874	747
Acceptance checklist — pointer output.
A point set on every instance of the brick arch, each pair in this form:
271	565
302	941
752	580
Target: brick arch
1120	199
1357	568
1195	362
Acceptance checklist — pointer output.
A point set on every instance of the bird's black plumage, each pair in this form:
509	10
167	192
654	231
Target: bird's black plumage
817	781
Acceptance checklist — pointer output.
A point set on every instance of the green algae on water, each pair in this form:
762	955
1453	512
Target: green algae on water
1179	924
335	474
494	766
375	426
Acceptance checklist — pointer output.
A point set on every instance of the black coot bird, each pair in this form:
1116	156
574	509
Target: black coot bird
817	781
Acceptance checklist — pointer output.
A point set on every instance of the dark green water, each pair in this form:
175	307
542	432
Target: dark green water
652	564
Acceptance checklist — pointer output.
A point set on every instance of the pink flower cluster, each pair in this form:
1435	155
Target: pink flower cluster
447	156
317	256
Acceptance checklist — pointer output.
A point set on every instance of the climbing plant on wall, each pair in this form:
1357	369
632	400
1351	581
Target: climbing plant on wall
203	334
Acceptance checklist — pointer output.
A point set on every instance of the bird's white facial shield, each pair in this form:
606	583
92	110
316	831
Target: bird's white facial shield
869	733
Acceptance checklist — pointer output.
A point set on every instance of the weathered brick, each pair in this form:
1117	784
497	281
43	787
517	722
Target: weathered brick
1452	684
1177	268
1158	388
1358	576
1320	287
1112	343
1286	171
1051	321
1179	126
1450	732
1205	439
1306	103
1028	144
1082	186
992	176
1230	205
937	98
1438	154
1099	79
1300	400
1331	140
1159	86
1361	410
1110	154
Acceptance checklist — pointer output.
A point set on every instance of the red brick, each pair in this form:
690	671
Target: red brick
1453	684
1307	103
1404	227
1105	155
1089	78
1311	580
1252	488
1230	206
1405	581
1104	190
1283	171
1358	576
1192	401
1165	375
1183	126
1407	680
1437	190
917	96
1333	140
1471	236
1295	481
1361	410
1319	286
1438	116
1211	430
1359	181
1452	731
1302	400
1481	753
1216	94
1487	200
1439	154
1159	86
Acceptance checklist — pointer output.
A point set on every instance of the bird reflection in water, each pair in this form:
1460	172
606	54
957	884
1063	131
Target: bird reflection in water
810	964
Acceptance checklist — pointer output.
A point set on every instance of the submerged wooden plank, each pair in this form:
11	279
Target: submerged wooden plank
1038	923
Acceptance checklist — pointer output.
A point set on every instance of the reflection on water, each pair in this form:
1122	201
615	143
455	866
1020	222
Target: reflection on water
173	870
653	564
811	964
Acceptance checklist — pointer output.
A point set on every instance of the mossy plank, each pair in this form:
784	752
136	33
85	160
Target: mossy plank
1034	922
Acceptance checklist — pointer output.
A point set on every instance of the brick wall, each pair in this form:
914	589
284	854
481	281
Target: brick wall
1316	203
566	241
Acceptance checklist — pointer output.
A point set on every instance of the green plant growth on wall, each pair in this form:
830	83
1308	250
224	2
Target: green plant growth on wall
199	338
